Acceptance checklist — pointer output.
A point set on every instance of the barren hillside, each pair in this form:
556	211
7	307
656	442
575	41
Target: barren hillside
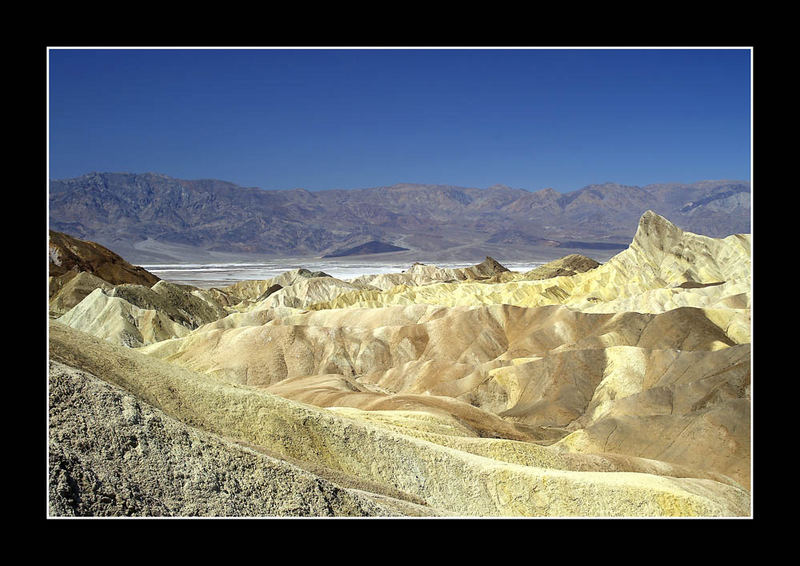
615	389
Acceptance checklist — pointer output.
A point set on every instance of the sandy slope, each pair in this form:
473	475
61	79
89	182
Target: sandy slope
444	477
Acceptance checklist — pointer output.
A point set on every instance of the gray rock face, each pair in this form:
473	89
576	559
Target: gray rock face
112	455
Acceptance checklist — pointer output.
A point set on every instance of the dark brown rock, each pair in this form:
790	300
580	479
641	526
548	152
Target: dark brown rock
70	256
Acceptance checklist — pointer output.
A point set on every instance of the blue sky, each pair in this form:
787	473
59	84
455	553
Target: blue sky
353	118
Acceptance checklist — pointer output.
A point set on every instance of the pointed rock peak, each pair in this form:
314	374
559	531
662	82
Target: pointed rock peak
491	265
652	221
656	231
649	216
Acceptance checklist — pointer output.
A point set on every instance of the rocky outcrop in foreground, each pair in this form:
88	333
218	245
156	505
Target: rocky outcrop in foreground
138	461
578	389
455	479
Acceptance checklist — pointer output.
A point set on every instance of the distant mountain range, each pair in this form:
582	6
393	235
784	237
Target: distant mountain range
151	217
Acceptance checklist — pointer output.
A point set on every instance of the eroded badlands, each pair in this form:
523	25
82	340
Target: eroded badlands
577	389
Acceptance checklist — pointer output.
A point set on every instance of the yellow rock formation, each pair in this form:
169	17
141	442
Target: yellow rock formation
461	482
620	389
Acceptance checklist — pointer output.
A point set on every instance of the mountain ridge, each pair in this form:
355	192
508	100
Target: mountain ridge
151	216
